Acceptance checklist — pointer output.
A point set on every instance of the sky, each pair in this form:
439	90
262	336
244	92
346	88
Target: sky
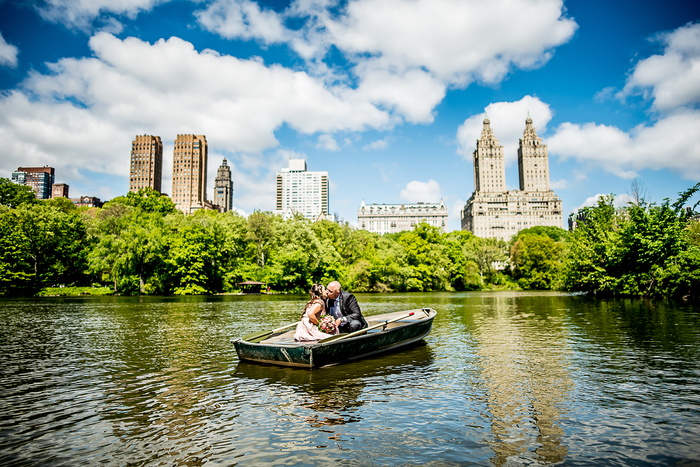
387	96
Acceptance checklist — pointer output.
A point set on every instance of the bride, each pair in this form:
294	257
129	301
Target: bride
307	329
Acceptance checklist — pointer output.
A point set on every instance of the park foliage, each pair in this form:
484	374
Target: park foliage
140	244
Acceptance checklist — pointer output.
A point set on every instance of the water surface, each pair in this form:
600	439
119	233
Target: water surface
504	378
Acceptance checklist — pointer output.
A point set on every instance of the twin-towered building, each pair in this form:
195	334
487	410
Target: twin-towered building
495	212
190	158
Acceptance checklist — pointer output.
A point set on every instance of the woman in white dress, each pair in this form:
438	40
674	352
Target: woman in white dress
307	329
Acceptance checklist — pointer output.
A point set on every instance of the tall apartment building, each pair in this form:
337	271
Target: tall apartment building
300	191
41	179
223	188
146	163
190	173
494	212
392	218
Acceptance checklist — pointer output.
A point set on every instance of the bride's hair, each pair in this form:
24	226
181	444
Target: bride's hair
316	293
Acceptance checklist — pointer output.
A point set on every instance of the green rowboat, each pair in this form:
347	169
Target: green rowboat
385	332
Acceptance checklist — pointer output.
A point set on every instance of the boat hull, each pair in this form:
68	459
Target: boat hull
320	354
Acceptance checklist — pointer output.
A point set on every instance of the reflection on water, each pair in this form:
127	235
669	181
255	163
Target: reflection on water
524	363
333	395
504	379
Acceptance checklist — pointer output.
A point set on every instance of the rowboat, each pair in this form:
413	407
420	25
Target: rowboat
385	332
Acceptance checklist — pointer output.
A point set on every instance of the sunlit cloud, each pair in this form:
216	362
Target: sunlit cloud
417	191
8	53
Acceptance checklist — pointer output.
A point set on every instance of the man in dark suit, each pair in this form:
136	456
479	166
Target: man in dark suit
343	306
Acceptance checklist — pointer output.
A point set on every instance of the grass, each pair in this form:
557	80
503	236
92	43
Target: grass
71	291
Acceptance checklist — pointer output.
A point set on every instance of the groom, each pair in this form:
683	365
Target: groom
344	308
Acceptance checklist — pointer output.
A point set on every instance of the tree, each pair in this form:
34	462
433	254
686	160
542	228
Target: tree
461	248
644	250
13	195
590	249
195	254
51	242
426	256
261	234
63	204
148	200
16	271
491	255
536	261
129	249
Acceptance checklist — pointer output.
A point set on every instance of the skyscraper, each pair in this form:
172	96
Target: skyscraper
223	188
146	163
190	172
300	191
494	212
533	161
41	179
489	162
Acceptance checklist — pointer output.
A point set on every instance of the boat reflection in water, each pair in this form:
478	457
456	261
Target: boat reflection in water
334	395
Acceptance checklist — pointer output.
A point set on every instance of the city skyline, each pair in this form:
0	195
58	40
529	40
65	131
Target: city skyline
387	96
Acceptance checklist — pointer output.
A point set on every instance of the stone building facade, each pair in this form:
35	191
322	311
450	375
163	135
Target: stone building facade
494	212
392	218
223	188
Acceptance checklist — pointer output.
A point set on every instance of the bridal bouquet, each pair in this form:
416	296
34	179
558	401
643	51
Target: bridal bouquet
326	324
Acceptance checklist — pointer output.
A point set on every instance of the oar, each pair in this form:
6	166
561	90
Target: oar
362	331
260	335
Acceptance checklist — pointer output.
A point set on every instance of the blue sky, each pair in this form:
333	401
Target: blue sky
388	96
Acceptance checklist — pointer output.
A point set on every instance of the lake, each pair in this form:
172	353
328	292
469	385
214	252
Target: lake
504	378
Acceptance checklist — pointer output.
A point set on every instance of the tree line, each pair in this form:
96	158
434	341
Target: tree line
140	244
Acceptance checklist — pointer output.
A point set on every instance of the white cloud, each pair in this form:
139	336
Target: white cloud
133	87
416	191
672	143
82	13
413	95
507	122
406	53
242	19
558	184
446	37
376	145
671	78
327	142
8	53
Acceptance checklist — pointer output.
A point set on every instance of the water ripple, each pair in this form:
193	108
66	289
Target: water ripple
504	379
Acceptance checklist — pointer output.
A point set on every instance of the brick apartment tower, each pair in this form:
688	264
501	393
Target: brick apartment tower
59	190
190	172
146	163
41	179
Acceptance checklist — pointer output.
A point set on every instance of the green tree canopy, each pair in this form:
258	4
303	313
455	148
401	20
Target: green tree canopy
148	200
13	195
